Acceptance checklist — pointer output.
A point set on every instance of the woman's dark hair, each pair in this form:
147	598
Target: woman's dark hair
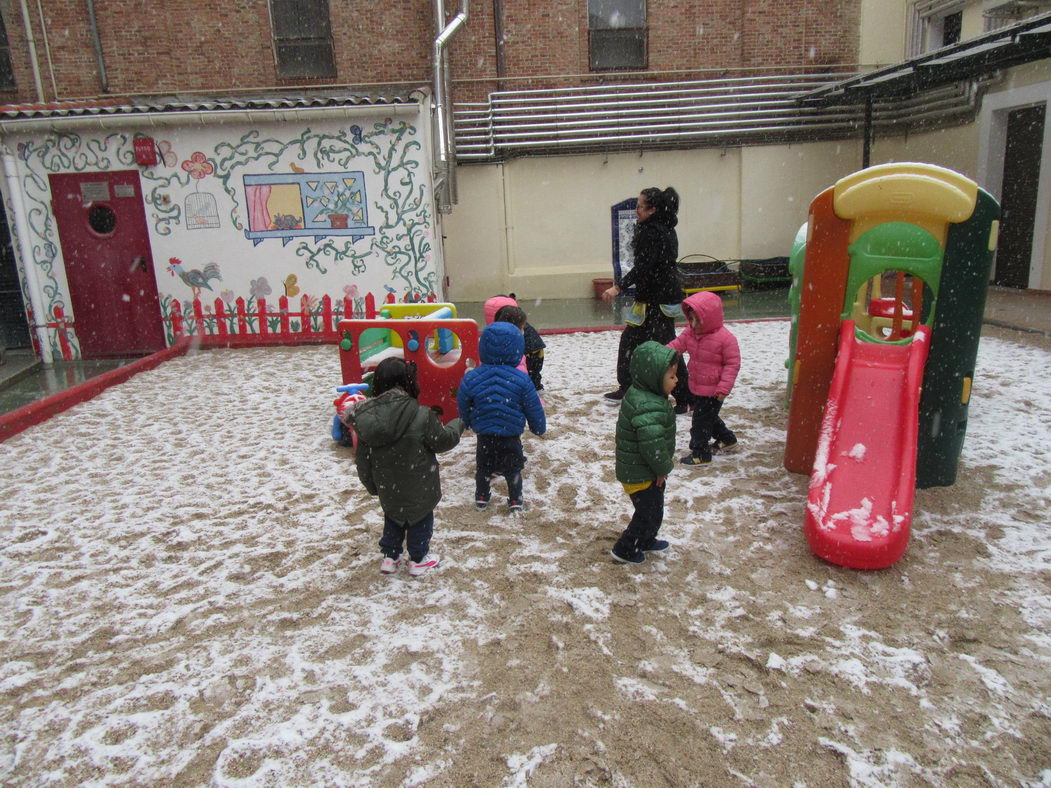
395	373
665	204
510	314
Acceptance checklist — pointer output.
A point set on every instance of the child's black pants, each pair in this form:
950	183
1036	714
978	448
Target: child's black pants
499	455
418	535
707	425
645	522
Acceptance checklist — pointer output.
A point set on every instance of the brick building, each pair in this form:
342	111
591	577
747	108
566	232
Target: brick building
188	45
557	110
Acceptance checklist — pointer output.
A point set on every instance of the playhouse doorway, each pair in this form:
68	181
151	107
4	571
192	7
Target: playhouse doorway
105	245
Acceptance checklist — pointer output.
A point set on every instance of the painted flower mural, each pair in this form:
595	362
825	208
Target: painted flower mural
198	166
166	154
260	288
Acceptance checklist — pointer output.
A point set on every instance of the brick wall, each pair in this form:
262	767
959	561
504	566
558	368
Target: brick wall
201	45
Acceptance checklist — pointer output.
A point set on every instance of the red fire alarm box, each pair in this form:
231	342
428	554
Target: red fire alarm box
145	152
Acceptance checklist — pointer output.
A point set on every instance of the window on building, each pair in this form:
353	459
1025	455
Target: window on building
935	24
1001	13
302	38
617	34
7	74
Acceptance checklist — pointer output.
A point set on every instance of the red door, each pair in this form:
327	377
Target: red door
105	244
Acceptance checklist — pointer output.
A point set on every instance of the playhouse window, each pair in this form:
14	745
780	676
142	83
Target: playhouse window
302	38
617	34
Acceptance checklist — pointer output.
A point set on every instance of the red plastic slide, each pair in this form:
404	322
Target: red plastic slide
859	506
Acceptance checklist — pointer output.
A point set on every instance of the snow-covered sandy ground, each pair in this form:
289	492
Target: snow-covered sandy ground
189	595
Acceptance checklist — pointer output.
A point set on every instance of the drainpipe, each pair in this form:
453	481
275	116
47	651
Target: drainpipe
25	250
31	43
442	113
103	79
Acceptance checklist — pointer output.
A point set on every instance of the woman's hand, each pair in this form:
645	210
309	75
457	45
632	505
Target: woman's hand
610	293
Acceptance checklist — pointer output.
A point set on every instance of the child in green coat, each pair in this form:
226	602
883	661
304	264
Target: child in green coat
646	448
398	439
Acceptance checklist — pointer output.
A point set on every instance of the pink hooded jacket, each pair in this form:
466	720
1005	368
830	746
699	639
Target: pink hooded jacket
715	357
491	307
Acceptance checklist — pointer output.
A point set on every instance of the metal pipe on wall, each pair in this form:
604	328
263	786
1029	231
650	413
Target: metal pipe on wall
31	44
446	139
94	23
47	51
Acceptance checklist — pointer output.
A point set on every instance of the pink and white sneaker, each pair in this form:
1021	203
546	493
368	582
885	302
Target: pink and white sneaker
425	565
390	565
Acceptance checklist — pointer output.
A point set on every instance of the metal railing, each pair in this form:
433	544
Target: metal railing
754	109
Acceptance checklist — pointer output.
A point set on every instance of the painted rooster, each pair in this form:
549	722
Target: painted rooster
194	278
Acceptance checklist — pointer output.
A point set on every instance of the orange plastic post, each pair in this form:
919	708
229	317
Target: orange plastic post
821	303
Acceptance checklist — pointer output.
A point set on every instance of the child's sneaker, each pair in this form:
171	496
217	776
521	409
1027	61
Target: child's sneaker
424	565
481	501
390	565
637	558
695	460
656	546
515	504
725	447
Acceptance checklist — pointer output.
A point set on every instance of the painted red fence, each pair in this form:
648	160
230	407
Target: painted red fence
313	321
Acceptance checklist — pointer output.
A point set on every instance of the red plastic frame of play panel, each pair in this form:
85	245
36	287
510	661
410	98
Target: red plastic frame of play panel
438	383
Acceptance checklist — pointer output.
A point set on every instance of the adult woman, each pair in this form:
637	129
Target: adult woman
657	283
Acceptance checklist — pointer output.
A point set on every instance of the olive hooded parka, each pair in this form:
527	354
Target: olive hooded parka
398	441
646	425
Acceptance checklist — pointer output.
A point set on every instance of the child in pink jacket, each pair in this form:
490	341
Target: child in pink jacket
715	359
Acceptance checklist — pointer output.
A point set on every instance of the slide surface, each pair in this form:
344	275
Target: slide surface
859	505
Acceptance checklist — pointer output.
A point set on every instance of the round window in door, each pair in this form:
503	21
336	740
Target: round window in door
102	219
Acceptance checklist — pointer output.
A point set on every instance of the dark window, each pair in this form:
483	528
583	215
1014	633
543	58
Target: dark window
7	75
302	38
101	219
951	25
617	34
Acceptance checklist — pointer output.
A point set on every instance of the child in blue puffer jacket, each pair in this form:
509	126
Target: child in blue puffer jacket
496	400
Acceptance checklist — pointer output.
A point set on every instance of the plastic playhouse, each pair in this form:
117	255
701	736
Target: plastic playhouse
429	335
889	279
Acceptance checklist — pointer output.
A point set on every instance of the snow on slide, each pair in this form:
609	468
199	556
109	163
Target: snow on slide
859	505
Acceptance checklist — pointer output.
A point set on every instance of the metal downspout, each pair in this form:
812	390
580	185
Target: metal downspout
31	43
25	252
443	117
103	79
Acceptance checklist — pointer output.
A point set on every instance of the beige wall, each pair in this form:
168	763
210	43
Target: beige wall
882	31
778	183
955	148
540	227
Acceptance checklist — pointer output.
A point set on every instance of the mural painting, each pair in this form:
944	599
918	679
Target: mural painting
350	205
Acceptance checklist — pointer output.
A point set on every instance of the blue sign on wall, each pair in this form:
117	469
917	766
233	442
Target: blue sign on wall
623	220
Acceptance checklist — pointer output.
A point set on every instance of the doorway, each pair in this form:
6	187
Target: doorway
14	330
109	267
1021	186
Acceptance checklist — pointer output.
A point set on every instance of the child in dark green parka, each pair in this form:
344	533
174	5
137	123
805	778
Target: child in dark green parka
398	439
646	448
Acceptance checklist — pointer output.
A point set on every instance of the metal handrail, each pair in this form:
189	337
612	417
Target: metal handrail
726	110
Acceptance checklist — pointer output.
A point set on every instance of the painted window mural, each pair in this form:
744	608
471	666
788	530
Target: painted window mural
309	203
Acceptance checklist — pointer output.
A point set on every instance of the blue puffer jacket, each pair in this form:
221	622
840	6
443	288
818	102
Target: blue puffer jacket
496	398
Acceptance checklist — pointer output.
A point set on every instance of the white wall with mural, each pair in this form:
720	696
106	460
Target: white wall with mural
237	212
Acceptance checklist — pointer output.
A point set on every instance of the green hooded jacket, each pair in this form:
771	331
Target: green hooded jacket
398	439
646	425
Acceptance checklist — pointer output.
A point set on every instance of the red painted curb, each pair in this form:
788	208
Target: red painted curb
35	412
